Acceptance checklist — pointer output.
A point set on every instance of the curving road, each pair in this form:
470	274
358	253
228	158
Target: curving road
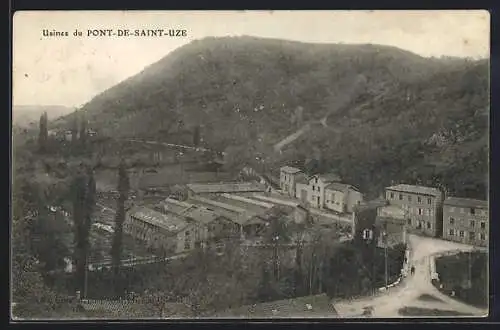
386	304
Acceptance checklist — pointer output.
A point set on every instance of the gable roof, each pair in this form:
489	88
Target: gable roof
327	177
169	222
373	204
290	169
340	186
466	202
416	189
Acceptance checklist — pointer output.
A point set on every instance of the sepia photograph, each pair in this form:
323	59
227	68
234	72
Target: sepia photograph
226	165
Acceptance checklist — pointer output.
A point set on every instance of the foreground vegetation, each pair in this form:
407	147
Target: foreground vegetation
465	275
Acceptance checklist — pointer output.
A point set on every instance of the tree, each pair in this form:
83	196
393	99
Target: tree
116	248
74	131
43	133
83	132
196	136
83	205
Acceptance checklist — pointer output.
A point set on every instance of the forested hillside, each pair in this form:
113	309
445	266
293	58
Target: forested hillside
428	124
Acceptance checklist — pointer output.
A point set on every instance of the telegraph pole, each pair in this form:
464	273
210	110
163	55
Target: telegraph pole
385	257
86	276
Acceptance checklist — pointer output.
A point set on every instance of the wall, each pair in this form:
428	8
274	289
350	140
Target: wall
462	222
335	200
298	192
353	198
316	196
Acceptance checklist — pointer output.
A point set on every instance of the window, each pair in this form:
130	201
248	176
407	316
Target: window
392	195
452	209
400	197
429	201
409	221
461	233
316	180
483	237
419	199
409	198
483	225
419	211
428	225
472	235
187	233
472	211
472	223
452	232
187	244
452	220
462	210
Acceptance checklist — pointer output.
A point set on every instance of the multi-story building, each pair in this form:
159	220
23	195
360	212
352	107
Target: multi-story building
466	221
321	191
170	233
288	177
423	206
376	221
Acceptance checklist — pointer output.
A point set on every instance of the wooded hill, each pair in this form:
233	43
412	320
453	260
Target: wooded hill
429	123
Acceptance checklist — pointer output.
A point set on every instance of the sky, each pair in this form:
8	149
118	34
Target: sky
71	70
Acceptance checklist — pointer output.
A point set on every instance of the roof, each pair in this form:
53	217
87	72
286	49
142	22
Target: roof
171	222
466	202
416	189
328	177
290	169
373	204
196	212
200	214
309	306
229	187
301	178
340	186
392	211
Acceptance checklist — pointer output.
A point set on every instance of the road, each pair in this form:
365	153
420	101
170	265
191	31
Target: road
386	304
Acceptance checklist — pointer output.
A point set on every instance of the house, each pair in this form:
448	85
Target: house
169	233
364	219
316	190
341	197
288	175
423	206
302	188
390	226
466	221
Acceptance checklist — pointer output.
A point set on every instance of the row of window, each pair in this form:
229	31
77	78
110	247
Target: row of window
410	198
472	223
461	234
419	211
471	210
420	224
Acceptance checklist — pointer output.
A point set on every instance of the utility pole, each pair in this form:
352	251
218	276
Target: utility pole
385	256
469	284
86	276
